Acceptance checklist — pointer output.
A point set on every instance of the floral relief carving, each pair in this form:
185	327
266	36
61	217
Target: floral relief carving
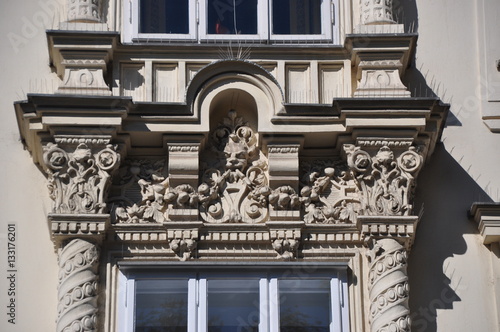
78	268
139	192
78	179
84	10
235	190
183	248
328	196
385	181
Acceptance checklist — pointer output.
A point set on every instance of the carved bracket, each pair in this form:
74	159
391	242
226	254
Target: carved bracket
183	238
285	238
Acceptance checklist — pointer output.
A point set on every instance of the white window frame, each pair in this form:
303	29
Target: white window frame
131	11
198	26
328	18
262	24
268	293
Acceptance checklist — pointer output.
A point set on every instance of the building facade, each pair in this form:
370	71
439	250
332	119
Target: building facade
250	165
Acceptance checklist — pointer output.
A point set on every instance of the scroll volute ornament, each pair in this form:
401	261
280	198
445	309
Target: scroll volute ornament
235	187
385	178
78	177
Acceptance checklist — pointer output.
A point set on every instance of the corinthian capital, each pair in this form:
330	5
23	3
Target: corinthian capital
79	171
385	173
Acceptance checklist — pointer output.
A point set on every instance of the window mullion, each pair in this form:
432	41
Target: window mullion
274	317
202	306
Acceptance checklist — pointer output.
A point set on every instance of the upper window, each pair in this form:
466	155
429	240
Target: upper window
220	20
226	301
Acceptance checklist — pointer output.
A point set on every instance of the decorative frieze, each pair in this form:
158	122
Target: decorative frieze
79	176
388	287
77	292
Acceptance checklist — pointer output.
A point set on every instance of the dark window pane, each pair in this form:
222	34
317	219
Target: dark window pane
161	305
233	305
232	17
164	16
296	17
304	305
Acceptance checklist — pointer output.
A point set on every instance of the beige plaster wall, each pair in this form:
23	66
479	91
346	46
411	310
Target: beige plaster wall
23	198
450	269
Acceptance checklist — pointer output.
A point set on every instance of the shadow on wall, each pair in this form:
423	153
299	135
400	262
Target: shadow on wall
446	192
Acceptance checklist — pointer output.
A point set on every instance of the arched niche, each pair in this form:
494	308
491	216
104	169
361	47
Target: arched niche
239	85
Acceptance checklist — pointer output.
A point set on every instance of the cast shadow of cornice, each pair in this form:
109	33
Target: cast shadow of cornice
446	191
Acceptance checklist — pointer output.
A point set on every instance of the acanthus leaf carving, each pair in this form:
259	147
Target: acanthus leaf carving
78	179
385	180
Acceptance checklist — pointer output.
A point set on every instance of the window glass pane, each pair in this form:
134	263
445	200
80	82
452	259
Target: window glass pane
304	305
164	16
161	305
296	17
233	305
232	17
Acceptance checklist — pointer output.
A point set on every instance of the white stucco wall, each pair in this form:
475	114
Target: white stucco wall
452	288
24	198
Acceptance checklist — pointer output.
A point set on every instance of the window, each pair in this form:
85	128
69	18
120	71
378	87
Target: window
285	299
224	20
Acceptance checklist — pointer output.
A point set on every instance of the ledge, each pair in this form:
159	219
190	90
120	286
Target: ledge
487	215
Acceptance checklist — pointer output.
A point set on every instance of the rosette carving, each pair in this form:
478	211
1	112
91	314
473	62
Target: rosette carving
388	287
78	178
328	196
77	292
384	180
236	189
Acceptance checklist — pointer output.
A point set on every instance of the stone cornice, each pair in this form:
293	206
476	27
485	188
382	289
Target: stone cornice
487	216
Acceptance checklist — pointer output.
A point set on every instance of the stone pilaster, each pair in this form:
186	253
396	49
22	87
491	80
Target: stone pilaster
77	291
388	286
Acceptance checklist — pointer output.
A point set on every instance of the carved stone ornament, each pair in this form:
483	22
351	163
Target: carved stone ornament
329	195
79	177
138	192
84	11
236	189
388	287
385	179
78	269
376	12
